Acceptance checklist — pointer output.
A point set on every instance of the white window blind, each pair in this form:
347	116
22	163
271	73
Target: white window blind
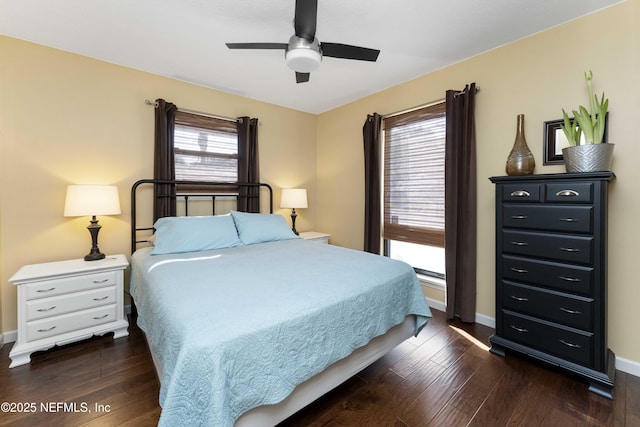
414	176
205	148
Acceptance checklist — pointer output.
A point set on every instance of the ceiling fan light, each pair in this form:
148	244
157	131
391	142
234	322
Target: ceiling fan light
303	60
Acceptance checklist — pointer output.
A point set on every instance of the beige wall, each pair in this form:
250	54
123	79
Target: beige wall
536	76
67	119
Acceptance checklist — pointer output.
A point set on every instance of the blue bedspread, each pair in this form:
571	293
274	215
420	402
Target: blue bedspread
241	327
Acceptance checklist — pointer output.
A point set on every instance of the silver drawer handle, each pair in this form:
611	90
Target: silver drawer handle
567	193
519	329
569	279
569	219
46	290
101	281
566	310
519	298
572	250
519	217
47	330
100	317
568	344
519	270
101	299
520	243
520	193
46	309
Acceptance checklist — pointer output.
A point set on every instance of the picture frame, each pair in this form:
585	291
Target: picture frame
555	141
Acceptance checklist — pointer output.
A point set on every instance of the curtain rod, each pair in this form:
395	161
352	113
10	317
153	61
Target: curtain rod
428	104
199	113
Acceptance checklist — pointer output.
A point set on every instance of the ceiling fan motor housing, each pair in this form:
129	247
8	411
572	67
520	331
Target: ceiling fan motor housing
302	55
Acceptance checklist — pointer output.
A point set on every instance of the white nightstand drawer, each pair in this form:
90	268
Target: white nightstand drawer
58	325
54	306
49	288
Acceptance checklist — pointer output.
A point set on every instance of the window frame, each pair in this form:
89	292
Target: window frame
206	123
433	237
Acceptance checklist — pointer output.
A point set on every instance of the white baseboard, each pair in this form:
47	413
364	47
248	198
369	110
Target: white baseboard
629	366
10	336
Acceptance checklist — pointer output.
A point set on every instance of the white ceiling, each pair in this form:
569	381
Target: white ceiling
185	39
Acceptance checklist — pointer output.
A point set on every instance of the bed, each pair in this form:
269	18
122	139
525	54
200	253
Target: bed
247	323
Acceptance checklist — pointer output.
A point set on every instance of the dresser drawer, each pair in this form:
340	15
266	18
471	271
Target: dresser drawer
573	279
524	192
59	325
560	308
569	219
569	192
575	249
53	306
569	344
49	288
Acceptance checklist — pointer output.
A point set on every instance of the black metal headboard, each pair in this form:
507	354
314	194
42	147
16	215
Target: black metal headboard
185	197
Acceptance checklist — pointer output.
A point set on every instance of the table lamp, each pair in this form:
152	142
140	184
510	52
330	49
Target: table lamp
92	200
294	198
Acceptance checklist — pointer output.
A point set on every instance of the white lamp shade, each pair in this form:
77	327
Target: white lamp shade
294	198
90	200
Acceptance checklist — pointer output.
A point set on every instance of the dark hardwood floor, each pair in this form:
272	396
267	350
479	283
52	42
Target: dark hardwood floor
445	377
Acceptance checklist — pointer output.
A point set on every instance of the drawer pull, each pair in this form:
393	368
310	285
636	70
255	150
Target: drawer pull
46	290
572	250
100	317
567	193
519	298
42	310
102	298
566	310
520	193
519	270
520	243
47	330
101	281
568	344
569	220
569	279
515	328
519	217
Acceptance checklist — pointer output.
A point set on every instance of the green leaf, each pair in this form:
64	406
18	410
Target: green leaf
571	130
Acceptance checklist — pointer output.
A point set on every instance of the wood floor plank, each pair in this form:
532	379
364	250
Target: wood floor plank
444	377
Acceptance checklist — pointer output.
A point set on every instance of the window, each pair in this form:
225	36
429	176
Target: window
413	217
205	148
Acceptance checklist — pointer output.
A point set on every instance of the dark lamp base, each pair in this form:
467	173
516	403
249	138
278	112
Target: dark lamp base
94	254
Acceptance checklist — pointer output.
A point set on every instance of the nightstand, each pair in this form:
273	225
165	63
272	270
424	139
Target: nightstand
315	236
67	301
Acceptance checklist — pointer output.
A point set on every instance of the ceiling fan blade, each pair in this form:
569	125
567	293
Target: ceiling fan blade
346	51
305	19
302	77
257	45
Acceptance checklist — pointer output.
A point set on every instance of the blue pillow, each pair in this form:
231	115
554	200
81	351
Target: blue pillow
194	233
260	228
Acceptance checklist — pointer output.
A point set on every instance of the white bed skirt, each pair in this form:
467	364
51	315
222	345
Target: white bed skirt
330	378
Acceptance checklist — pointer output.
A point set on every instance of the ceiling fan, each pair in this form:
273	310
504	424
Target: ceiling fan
304	52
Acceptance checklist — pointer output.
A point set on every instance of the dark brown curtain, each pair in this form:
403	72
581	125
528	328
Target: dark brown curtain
460	204
164	201
248	170
372	176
